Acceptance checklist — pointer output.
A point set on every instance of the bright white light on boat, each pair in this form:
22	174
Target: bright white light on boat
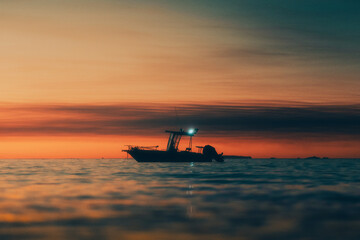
191	131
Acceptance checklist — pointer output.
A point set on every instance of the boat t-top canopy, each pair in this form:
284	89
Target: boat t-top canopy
175	137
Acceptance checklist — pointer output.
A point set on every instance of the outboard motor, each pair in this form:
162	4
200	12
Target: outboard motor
210	152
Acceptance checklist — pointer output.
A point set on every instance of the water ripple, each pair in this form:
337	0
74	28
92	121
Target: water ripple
240	199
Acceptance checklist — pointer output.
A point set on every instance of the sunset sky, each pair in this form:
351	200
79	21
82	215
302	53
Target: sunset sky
82	78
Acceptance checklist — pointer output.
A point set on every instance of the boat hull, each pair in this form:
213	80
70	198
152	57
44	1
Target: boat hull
166	156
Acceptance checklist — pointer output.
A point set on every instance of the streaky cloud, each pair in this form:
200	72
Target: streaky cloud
244	120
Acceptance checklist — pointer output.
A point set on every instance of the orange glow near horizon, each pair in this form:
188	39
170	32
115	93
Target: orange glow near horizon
111	147
96	131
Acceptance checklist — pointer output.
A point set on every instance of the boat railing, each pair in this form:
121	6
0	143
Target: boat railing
132	147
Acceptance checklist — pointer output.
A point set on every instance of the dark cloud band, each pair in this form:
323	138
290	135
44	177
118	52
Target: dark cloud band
220	119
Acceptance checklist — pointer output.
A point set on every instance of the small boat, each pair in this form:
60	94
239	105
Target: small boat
172	154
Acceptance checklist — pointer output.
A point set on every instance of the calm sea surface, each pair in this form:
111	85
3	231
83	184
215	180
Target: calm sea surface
122	199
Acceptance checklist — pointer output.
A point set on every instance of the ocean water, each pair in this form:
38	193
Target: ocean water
122	199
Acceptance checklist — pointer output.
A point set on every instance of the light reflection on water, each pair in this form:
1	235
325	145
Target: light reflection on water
123	199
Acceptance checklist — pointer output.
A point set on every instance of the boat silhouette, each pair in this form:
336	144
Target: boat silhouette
205	153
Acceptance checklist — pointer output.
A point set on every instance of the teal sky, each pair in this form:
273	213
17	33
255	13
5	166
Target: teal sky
324	30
